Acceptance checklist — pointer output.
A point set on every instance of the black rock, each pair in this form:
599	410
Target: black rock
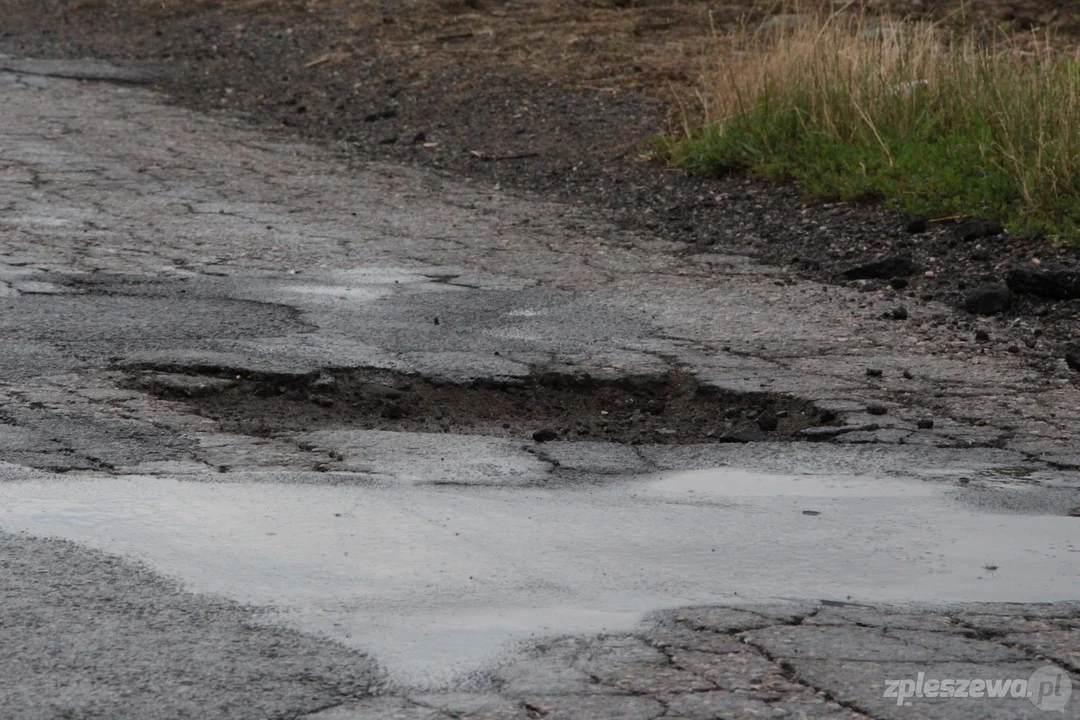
419	138
877	409
811	512
655	406
1055	284
898	283
977	229
895	265
873	372
544	435
743	436
767	421
897	313
1072	359
925	424
908	375
392	411
827	433
917	225
982	336
827	416
988	300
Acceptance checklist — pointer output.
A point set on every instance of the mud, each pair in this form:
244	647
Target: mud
654	409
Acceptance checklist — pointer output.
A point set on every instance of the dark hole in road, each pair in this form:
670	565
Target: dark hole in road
665	409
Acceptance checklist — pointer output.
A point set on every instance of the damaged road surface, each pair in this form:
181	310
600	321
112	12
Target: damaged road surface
283	437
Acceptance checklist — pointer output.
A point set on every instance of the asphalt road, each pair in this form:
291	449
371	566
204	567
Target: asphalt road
157	565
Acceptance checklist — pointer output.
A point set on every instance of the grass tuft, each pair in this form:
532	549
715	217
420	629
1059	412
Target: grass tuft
930	122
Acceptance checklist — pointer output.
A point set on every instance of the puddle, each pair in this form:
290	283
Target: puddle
437	582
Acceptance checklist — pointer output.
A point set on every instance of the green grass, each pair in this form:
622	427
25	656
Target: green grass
939	126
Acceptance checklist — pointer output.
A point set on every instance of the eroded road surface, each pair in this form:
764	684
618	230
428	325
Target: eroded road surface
284	437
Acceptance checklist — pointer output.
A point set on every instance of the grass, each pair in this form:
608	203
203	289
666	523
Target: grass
931	122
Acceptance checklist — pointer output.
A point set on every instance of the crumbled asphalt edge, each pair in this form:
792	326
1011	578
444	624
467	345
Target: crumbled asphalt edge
582	146
666	409
694	629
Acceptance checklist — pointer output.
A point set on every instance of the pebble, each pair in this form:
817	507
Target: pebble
917	225
1072	359
742	436
988	300
982	336
873	372
544	435
767	421
877	409
925	424
1053	284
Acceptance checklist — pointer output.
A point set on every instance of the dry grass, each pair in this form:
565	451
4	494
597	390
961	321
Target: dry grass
935	121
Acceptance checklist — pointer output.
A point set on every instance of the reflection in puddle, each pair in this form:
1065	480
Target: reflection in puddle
436	582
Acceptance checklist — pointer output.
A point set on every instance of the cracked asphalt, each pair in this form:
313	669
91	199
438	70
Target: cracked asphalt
156	564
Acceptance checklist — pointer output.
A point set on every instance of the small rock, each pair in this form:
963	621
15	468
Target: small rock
876	409
392	411
925	424
1072	359
321	400
898	283
544	435
827	416
436	321
811	512
873	372
908	375
1013	349
742	436
388	140
1053	284
895	265
827	433
655	406
988	300
897	313
419	138
732	413
917	225
767	421
977	229
982	336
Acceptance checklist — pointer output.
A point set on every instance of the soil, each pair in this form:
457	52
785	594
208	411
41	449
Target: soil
559	99
664	410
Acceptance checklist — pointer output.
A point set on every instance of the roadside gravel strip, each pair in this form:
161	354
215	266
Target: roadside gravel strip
244	472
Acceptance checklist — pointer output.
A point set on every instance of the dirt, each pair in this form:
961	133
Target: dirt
665	410
559	99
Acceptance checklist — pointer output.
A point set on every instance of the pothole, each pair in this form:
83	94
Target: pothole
661	409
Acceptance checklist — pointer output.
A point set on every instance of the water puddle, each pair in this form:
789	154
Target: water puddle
436	582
